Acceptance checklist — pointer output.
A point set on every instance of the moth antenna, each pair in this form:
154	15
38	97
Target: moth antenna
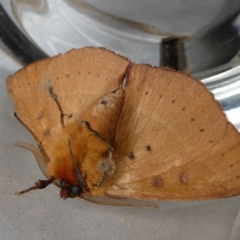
40	184
54	96
96	134
76	171
43	152
47	159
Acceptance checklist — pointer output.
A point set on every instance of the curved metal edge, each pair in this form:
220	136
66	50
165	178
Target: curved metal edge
17	42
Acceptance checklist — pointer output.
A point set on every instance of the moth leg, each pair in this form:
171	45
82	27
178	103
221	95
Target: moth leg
96	134
76	171
54	96
40	184
44	154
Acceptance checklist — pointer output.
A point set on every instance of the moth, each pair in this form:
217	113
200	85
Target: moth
109	130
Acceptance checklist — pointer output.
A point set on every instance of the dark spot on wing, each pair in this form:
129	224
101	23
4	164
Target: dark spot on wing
46	132
158	182
148	148
131	155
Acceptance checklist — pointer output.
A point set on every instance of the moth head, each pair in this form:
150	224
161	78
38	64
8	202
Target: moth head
69	190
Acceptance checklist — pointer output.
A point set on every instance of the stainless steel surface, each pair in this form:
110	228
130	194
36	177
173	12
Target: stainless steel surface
135	29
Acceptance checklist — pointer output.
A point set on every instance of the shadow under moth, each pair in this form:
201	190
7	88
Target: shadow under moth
108	129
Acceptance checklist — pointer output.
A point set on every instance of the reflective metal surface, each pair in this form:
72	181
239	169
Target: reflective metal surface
206	35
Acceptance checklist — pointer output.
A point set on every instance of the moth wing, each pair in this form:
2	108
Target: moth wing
77	77
173	141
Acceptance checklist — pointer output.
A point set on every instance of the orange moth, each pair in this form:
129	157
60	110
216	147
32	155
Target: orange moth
109	129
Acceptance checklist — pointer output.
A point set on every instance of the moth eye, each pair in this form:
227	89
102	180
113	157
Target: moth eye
76	190
62	183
